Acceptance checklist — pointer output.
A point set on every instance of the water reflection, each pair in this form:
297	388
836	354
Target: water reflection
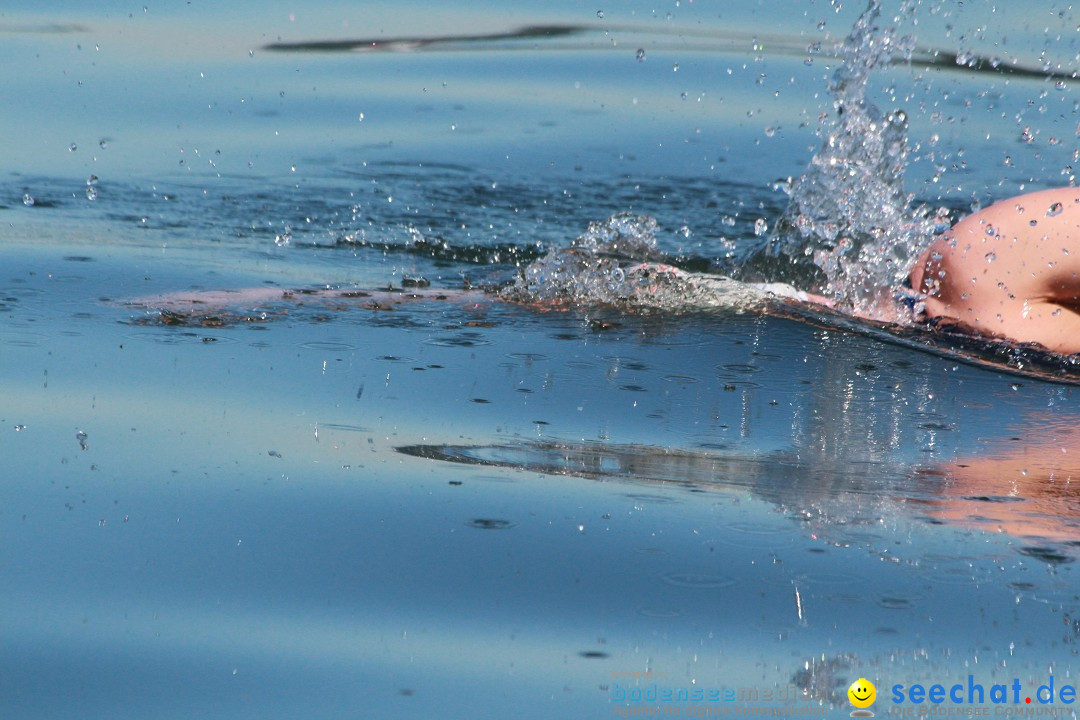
593	37
857	434
1022	483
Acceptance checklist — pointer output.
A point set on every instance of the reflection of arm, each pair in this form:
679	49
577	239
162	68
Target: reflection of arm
1023	487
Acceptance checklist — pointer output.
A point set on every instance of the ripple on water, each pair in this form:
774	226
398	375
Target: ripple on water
181	338
741	385
896	602
651	499
628	363
343	427
755	536
20	338
698	580
814	579
327	346
461	340
489	524
659	613
739	368
680	379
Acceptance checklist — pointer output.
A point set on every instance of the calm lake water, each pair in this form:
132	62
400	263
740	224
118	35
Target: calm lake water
470	508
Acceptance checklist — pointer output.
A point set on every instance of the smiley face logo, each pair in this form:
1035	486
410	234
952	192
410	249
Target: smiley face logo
862	693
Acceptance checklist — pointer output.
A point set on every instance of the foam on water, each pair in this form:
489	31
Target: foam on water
617	262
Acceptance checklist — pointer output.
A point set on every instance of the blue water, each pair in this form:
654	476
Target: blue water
471	508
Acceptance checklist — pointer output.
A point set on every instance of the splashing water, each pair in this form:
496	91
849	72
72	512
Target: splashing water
849	230
848	211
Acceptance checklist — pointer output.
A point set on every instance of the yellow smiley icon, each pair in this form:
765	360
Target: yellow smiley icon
862	693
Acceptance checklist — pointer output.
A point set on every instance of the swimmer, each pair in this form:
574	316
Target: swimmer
1011	271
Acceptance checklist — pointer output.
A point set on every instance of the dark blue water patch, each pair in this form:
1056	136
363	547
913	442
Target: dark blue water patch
1052	556
697	580
490	524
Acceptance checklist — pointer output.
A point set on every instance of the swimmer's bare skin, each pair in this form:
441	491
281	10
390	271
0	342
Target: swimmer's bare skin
1011	270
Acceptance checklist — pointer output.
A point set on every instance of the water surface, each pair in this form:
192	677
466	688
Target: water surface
445	508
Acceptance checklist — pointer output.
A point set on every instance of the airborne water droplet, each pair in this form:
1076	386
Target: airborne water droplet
28	200
1054	209
640	55
760	227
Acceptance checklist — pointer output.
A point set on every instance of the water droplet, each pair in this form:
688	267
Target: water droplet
28	200
600	14
675	67
990	230
640	55
1054	209
1059	85
72	147
760	227
990	256
103	143
770	131
284	238
360	117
